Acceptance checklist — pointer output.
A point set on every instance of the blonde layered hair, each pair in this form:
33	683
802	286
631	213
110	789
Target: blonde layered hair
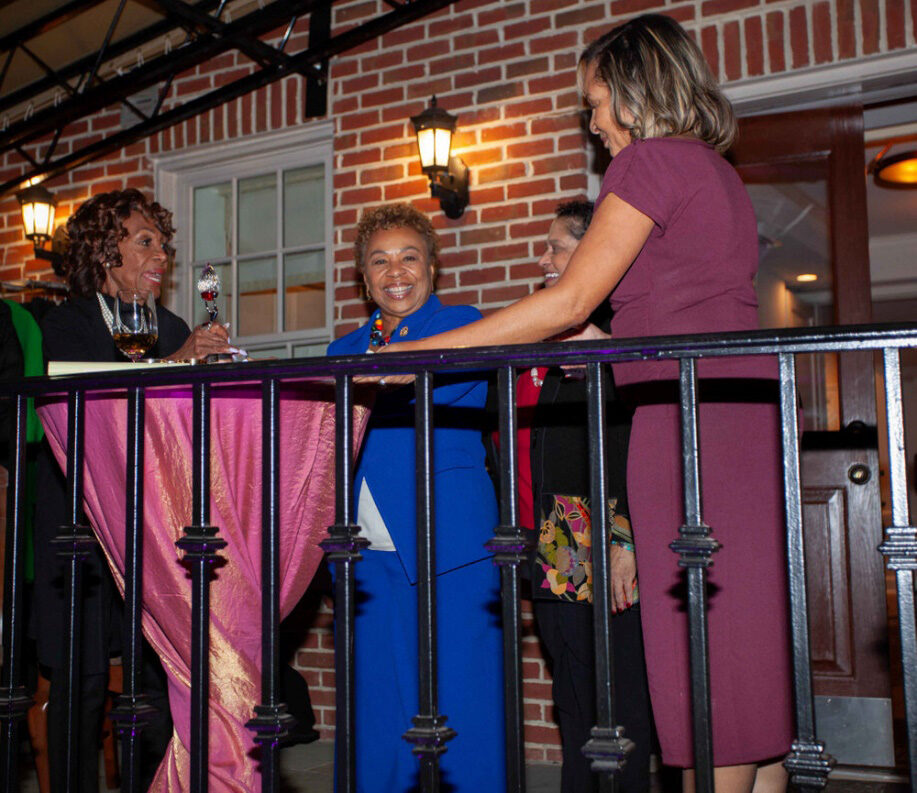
657	74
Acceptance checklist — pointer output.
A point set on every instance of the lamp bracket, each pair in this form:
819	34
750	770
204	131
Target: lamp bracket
451	188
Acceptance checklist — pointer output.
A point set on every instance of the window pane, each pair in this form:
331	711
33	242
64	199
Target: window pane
258	213
258	296
304	206
310	350
224	299
304	291
267	353
213	221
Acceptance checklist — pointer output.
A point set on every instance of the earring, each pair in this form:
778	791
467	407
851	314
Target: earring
107	265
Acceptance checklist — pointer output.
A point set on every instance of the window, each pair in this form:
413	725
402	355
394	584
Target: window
259	211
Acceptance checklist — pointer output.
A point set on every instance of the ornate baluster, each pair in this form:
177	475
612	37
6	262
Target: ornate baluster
807	763
14	700
429	733
900	548
200	545
133	712
608	747
271	720
509	548
696	546
74	543
343	547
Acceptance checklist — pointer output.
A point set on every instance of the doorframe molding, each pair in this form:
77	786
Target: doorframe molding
878	78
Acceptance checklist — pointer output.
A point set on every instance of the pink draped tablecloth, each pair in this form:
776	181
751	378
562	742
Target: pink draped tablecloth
307	450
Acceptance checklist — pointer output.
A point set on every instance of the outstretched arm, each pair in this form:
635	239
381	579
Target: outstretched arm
612	242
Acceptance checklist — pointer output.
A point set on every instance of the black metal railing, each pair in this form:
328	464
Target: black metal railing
808	762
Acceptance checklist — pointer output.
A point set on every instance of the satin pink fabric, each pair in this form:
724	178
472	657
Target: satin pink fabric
307	449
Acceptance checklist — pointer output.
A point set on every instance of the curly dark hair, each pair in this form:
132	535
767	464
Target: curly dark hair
95	230
394	216
577	214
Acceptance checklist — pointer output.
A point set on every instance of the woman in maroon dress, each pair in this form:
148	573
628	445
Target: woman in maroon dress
674	242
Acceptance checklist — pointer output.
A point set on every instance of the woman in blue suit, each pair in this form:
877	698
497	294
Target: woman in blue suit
396	252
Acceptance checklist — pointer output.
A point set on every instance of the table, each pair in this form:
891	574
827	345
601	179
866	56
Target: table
307	450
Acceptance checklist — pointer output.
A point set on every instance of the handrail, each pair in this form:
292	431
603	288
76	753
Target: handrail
841	338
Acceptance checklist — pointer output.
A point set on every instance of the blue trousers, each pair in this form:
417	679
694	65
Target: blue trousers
470	679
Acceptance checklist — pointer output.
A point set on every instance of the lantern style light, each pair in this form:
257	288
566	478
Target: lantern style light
38	206
448	175
897	171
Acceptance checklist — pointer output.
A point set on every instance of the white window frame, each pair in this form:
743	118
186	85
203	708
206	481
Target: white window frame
177	174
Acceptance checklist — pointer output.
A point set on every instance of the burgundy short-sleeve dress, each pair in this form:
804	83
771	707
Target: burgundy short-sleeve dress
695	275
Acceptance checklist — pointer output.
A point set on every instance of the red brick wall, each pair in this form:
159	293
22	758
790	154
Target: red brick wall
506	68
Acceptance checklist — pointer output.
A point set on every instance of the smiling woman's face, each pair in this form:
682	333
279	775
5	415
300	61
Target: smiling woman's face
602	121
558	250
398	273
144	258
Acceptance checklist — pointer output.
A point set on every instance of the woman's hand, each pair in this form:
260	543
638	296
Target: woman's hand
585	332
210	339
383	380
623	578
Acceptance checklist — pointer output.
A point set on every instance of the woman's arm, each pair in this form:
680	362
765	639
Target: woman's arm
614	238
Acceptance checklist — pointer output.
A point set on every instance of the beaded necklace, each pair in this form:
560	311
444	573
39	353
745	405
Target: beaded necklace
107	314
376	336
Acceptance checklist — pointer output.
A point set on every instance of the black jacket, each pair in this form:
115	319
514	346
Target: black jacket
75	331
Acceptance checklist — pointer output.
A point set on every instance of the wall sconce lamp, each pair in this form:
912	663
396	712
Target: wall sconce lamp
448	175
898	171
38	205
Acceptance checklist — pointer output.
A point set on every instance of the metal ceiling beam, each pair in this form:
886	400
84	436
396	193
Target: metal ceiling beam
317	78
253	47
79	67
97	97
302	62
45	23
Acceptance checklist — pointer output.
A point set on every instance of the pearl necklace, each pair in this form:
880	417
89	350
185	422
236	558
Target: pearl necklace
106	313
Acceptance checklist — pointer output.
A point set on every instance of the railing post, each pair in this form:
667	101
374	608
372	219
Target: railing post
74	542
510	548
608	747
200	545
343	547
271	720
900	549
132	711
14	700
807	763
429	733
696	546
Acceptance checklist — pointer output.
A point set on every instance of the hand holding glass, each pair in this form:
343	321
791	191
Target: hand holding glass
134	329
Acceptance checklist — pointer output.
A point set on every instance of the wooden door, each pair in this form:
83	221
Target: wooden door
817	157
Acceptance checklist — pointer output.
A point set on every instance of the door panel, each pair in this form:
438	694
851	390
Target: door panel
815	159
824	515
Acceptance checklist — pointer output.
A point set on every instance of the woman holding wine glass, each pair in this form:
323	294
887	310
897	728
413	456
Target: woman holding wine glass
119	241
118	255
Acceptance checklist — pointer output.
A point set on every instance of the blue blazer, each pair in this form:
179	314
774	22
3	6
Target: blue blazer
464	501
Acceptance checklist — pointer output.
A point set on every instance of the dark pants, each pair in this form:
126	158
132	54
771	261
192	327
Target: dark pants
93	688
567	633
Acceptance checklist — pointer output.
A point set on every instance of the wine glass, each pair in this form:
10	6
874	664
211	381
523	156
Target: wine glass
134	327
